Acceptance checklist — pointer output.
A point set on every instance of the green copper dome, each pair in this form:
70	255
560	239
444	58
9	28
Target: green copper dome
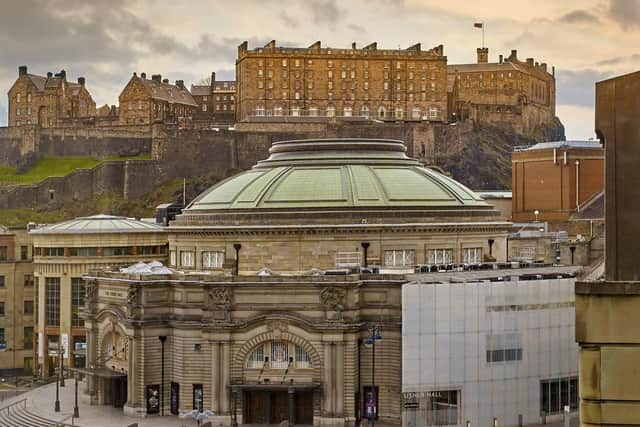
337	174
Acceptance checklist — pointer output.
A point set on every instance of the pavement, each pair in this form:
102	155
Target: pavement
41	401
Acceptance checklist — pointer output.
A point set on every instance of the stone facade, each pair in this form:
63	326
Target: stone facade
61	258
48	101
146	101
510	92
216	102
224	92
18	306
318	82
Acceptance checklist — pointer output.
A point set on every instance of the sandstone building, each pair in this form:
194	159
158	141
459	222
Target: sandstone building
48	101
519	94
216	101
65	251
607	311
146	101
555	179
17	301
267	321
314	82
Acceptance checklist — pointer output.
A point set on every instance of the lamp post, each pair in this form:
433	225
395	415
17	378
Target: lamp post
237	247
56	407
62	366
76	410
365	246
536	213
162	338
374	335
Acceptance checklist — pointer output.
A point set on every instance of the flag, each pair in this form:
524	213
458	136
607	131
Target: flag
478	25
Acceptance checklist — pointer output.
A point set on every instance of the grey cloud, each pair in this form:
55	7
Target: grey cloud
288	20
579	17
356	28
620	60
625	12
3	115
325	12
578	87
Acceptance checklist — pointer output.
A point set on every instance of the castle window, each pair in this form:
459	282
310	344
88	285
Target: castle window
284	62
18	98
364	111
343	74
260	84
353	74
297	62
329	63
270	73
331	111
433	113
260	72
28	97
204	108
347	112
440	256
18	112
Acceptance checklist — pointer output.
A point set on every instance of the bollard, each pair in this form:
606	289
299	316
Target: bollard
566	415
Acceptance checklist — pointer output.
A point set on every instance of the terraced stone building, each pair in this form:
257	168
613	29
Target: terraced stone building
276	276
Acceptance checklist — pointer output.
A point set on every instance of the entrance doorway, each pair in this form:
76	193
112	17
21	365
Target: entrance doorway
272	407
119	391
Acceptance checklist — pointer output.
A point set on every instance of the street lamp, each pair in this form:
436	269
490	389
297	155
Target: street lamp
372	407
76	411
536	213
62	366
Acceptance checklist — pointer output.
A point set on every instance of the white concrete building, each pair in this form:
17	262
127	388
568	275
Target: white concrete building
489	344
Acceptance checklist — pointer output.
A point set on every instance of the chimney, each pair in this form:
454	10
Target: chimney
180	84
81	81
353	45
243	47
500	59
156	78
143	75
22	70
213	80
514	55
63	74
553	70
530	62
165	81
544	66
483	55
135	74
49	74
537	65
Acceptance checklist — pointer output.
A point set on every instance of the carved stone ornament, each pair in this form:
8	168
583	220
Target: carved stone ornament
133	301
277	328
333	298
219	298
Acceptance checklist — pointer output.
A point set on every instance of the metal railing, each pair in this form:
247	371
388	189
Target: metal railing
24	414
7	409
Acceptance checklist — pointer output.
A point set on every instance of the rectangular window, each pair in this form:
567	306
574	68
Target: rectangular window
212	259
28	337
77	301
52	251
24	252
198	397
186	259
119	251
504	348
172	258
557	393
28	308
4	253
1	281
440	256
83	251
400	257
471	255
279	355
28	280
52	301
146	250
443	408
1	308
3	342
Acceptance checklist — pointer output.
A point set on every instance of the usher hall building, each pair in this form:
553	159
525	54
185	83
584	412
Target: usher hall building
276	276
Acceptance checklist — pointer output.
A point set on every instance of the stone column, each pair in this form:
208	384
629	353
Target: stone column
226	367
327	387
339	379
292	407
130	374
215	377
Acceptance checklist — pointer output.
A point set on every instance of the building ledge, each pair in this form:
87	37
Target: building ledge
608	288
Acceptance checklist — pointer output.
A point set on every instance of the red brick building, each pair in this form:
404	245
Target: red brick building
555	179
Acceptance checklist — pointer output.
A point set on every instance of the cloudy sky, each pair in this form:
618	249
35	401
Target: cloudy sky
106	41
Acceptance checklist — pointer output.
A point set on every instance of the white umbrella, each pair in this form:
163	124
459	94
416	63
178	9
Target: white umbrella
197	415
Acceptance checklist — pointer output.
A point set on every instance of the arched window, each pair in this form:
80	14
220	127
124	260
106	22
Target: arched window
295	111
278	355
416	113
331	111
399	113
364	111
381	112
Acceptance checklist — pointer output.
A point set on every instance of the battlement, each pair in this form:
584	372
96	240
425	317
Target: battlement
371	51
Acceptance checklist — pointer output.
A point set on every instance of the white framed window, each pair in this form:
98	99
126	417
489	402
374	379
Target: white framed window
187	259
313	111
204	107
416	113
347	112
28	97
212	259
277	110
295	111
471	255
399	113
172	258
433	112
260	110
279	355
399	257
440	256
18	98
331	111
